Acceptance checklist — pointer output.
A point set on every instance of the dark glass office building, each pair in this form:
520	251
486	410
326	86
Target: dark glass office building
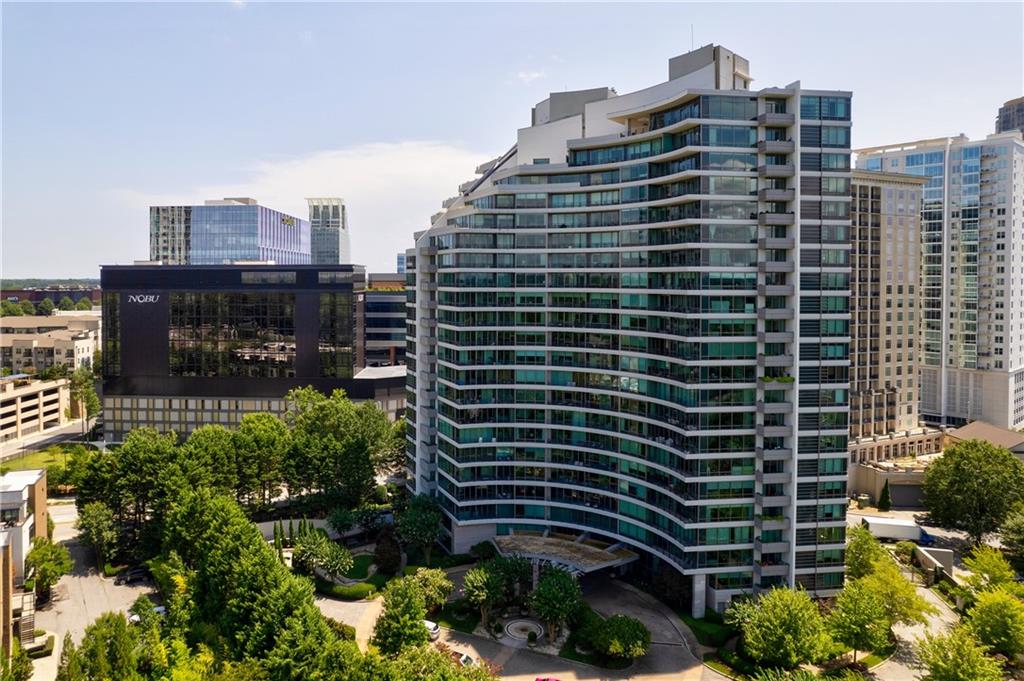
189	345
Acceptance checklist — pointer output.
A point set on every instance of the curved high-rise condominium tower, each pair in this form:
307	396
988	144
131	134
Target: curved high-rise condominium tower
631	334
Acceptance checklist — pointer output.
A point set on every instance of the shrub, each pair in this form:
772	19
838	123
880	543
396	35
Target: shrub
345	592
42	651
29	586
905	551
531	637
345	632
483	551
113	570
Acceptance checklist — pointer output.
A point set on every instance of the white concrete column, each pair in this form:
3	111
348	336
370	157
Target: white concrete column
699	596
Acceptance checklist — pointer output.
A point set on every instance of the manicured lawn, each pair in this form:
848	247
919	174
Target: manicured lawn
47	457
360	566
709	633
379	580
458	617
438	559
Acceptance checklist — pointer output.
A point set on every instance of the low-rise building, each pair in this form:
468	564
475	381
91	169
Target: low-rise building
33	343
384	305
30	406
980	430
22	514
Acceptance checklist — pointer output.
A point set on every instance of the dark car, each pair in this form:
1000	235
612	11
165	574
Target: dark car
138	574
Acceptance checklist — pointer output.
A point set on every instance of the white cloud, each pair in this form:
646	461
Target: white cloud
390	190
528	77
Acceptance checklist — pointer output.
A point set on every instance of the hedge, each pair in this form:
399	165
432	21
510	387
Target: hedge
42	651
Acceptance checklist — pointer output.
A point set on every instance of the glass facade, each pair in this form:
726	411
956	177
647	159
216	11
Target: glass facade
328	232
232	334
639	373
221	234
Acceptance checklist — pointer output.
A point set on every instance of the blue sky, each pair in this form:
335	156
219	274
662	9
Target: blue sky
108	108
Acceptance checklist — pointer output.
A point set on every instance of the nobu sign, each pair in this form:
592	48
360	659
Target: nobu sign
143	298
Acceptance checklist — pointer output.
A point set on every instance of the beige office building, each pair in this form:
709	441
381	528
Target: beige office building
885	311
28	407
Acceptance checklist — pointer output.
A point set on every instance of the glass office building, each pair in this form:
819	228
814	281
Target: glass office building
328	222
636	332
225	231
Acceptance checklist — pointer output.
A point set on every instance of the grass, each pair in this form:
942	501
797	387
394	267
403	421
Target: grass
47	457
360	566
708	632
712	660
871	659
345	592
438	559
459	617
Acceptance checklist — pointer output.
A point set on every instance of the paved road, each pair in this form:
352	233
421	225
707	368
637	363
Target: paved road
79	598
39	441
360	614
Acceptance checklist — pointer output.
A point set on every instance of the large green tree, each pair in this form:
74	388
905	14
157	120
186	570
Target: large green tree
863	550
1012	533
66	304
988	569
555	599
46	307
434	585
483	587
48	562
858	618
27	308
211	450
972	487
83	304
899	598
622	637
784	629
98	528
261	445
420	524
400	624
956	656
997	620
314	551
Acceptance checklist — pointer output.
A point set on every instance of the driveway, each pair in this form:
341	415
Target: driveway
670	655
360	614
902	666
78	598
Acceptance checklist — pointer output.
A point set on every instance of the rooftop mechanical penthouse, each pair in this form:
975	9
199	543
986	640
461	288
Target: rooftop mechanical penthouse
632	330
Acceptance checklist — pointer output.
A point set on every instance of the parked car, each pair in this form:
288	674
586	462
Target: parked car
464	660
157	609
137	574
432	629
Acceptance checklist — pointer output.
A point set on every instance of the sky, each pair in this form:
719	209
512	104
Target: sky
109	108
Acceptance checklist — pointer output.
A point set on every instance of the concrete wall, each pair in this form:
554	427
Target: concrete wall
904	486
548	141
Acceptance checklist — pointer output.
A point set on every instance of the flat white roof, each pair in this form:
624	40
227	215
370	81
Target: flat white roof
381	372
16	481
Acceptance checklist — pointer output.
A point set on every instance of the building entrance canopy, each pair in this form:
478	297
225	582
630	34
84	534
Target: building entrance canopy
578	557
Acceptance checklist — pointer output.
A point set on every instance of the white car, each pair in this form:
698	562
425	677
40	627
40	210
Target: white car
432	629
465	660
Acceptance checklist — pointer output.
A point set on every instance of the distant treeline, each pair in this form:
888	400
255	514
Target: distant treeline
44	283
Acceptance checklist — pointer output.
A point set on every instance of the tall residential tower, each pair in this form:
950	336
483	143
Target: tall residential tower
632	331
972	307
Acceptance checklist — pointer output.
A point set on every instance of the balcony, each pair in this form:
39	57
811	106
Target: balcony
771	522
774	407
776	119
764	360
776	266
776	195
775	244
774	336
773	431
771	546
769	503
771	570
770	478
780	170
768	218
775	313
776	146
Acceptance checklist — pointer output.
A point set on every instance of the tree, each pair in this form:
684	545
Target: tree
858	618
556	597
18	667
368	517
622	637
99	529
212	449
400	624
83	305
863	550
46	307
424	663
435	586
390	457
48	562
341	520
899	598
9	309
387	554
1012	533
83	394
785	629
420	524
997	620
261	443
109	649
885	499
69	668
313	550
973	487
956	656
988	569
484	588
65	304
